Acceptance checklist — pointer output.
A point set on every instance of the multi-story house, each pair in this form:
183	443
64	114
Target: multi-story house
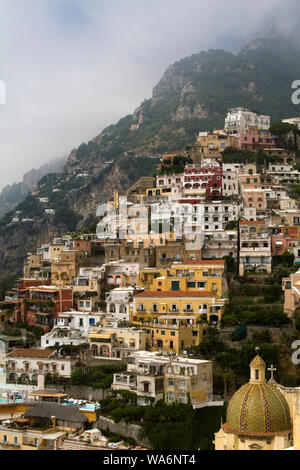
64	269
128	254
153	376
283	174
255	198
121	274
45	303
24	434
115	344
281	244
178	251
214	143
174	333
231	180
118	302
209	179
220	244
205	275
217	215
253	138
239	118
255	247
71	328
168	181
149	306
27	365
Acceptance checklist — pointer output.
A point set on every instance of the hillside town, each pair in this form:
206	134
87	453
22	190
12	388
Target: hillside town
129	316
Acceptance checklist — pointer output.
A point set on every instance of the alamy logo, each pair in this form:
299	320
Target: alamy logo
296	354
296	94
2	92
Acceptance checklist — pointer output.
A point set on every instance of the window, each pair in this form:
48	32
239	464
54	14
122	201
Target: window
201	285
170	382
191	285
182	398
175	285
182	384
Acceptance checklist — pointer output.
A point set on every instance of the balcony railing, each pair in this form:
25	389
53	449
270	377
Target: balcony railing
10	445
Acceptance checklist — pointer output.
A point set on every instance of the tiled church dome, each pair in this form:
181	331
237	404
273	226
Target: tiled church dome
258	408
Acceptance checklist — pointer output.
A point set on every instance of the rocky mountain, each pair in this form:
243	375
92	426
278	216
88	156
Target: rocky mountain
194	94
15	193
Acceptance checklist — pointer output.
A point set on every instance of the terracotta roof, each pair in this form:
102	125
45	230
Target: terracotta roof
38	353
253	222
167	294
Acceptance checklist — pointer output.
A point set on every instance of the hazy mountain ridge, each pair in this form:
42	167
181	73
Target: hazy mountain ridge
193	95
13	194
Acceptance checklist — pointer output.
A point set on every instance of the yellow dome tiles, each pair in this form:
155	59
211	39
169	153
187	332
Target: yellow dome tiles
258	408
257	361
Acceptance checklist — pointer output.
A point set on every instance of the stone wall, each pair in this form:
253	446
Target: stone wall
127	430
81	392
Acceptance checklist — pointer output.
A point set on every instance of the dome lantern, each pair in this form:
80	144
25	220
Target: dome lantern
257	370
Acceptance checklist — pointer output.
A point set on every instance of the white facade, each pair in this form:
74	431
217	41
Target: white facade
71	328
118	303
27	368
239	118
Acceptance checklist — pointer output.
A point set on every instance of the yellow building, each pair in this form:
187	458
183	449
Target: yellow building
19	435
65	268
115	343
206	275
32	265
174	333
55	250
149	306
258	416
216	142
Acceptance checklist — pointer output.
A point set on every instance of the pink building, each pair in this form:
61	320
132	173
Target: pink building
254	139
255	198
281	244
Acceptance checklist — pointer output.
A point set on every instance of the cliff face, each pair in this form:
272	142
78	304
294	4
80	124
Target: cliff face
15	193
194	94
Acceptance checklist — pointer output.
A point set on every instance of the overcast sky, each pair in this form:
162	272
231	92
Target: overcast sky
72	67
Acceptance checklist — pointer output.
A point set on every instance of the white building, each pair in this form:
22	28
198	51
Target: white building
239	118
231	179
27	364
219	244
118	303
71	328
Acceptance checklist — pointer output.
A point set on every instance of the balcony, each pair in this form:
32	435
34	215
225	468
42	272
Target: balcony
9	445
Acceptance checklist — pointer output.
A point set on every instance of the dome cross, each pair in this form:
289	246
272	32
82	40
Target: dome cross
272	370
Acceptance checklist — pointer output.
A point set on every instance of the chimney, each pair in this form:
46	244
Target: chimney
53	419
